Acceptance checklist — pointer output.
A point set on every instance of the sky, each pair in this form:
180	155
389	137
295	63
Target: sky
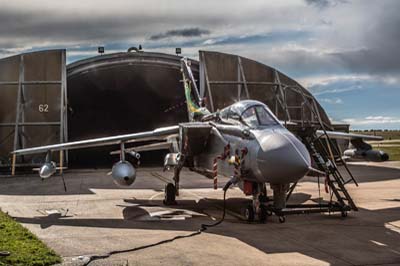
346	52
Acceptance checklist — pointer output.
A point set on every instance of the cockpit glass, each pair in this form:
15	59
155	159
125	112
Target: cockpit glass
256	116
264	117
249	117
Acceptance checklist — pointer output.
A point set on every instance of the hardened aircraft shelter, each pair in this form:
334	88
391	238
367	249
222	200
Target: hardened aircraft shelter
44	101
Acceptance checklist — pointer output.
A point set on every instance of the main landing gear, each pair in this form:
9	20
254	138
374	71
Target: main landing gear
169	194
172	190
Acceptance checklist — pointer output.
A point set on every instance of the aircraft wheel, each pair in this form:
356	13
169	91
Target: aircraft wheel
249	213
344	214
262	214
169	194
282	219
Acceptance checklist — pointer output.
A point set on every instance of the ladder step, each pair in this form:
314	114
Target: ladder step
323	161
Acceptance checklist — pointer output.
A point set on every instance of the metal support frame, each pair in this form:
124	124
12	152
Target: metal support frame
63	109
243	78
233	82
282	99
20	123
31	82
203	71
281	90
18	106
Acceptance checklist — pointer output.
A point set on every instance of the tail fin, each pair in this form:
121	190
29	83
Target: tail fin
193	101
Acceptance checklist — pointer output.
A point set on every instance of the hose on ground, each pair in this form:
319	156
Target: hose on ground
203	227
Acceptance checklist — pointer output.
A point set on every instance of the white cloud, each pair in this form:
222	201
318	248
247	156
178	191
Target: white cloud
330	50
370	120
328	79
338	84
331	100
82	22
47	23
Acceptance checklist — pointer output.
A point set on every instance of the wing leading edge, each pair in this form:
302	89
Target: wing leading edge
350	136
80	144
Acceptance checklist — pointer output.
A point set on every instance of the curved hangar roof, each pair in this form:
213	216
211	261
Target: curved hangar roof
135	91
227	78
123	92
118	87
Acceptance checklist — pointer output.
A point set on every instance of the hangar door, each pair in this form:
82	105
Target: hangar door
32	104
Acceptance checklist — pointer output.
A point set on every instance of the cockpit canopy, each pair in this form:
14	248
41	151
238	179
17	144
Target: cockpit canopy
252	113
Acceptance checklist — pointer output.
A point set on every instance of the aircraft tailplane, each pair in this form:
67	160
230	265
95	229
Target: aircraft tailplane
195	110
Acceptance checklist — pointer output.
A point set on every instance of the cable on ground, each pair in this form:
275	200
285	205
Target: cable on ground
203	227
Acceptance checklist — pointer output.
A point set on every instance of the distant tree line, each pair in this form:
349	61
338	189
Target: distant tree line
375	130
388	134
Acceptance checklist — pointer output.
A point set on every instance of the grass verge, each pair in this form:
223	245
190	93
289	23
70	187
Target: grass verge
25	247
394	152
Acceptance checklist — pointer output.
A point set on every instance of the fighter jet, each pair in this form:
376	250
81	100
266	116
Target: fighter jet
244	141
360	150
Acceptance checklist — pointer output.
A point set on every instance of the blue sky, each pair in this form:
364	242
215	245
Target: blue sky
344	51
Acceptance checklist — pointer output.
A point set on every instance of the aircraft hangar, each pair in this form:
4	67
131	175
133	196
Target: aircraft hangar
44	101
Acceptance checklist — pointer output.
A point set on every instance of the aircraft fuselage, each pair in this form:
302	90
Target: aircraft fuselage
267	153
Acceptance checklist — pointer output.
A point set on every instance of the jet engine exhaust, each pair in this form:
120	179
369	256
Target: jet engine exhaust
47	170
123	173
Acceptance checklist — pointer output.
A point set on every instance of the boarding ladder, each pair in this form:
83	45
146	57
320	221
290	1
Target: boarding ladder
322	150
327	156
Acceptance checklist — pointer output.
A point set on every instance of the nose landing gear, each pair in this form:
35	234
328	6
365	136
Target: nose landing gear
249	213
257	208
262	213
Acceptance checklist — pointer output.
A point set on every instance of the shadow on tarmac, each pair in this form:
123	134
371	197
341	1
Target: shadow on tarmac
328	238
365	237
81	182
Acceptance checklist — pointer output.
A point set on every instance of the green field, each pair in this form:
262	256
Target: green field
394	152
25	248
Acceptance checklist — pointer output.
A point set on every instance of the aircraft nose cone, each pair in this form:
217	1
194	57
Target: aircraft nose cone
282	158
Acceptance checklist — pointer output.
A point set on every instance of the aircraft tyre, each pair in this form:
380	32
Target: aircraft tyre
249	213
169	194
282	219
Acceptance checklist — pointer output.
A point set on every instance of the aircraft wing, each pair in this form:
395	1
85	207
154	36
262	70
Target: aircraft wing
96	142
344	135
166	145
